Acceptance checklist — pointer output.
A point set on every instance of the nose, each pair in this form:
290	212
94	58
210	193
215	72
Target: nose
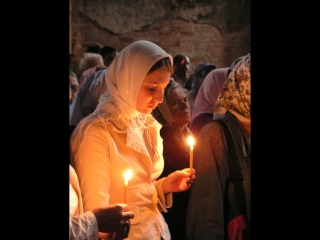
158	96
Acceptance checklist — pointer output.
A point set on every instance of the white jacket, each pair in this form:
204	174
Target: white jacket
101	177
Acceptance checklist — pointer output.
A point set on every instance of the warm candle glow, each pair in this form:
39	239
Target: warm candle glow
191	142
127	175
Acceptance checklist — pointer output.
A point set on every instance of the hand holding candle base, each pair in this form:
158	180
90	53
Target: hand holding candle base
113	221
178	181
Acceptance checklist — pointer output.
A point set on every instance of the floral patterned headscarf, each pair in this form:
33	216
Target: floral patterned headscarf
236	93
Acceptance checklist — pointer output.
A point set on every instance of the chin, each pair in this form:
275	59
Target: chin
146	111
185	123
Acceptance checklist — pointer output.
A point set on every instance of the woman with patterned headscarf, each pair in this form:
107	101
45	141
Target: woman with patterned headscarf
121	134
212	202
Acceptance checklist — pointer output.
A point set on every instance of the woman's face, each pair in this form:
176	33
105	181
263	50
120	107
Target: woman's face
151	90
178	103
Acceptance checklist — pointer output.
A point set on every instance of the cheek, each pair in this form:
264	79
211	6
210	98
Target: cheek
138	100
174	112
178	116
142	98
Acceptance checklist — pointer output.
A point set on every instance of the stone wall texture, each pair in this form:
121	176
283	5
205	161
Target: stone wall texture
216	31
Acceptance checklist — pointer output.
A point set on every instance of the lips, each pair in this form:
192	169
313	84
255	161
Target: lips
153	106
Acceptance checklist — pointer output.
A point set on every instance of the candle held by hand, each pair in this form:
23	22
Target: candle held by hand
191	142
127	175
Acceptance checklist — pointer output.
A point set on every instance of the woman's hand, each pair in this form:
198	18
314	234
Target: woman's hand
121	234
178	181
113	221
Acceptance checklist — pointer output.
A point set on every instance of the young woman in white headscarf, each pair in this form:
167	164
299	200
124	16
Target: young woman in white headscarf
121	134
214	201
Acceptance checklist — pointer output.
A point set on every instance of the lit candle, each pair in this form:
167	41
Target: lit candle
191	142
127	175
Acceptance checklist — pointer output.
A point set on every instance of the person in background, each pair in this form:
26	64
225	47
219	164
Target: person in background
96	85
197	79
87	98
206	98
74	65
72	60
121	134
189	82
213	202
181	69
93	225
174	115
94	48
88	65
108	53
73	85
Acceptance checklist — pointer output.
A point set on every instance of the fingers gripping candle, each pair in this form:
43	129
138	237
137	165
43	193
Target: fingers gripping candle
127	175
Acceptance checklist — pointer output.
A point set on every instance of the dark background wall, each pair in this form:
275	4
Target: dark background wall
217	31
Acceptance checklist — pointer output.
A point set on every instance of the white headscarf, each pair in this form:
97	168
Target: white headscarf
126	74
209	92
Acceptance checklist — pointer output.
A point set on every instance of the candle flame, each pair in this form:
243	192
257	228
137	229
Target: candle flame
190	141
127	175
